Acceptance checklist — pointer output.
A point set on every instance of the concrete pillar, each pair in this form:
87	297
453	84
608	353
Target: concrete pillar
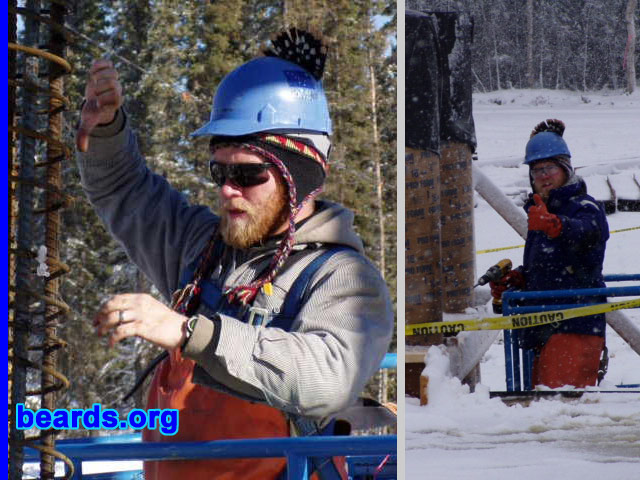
458	254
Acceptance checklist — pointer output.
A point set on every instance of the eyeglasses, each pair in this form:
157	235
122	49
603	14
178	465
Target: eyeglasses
241	174
548	170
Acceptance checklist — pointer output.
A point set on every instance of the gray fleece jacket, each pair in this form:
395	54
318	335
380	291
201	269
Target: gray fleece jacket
338	338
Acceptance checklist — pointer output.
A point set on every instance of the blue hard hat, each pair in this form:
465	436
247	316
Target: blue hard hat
268	94
545	145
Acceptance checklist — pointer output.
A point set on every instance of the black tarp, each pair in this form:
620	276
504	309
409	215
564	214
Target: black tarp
438	84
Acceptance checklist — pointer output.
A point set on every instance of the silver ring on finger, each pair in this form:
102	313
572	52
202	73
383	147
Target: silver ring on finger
120	317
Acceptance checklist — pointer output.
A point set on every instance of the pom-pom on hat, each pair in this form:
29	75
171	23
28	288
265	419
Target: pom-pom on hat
546	142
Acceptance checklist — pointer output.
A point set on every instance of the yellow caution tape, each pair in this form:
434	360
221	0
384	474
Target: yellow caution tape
498	249
510	322
624	229
522	246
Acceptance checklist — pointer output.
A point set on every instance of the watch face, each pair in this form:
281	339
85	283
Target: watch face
191	324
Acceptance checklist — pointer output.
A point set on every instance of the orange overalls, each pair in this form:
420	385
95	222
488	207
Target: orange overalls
206	414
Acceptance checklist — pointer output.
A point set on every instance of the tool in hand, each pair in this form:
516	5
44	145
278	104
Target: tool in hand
495	273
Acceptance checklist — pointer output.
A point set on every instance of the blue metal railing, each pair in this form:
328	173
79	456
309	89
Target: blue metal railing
510	307
390	360
296	450
363	454
621	277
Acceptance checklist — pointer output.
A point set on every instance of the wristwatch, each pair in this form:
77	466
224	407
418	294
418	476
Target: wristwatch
189	327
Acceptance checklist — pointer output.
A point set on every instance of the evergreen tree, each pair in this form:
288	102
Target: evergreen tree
357	48
98	266
576	44
382	77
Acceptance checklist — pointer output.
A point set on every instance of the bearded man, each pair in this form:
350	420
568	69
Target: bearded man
277	319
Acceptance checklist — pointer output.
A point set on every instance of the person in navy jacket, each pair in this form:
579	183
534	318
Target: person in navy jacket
565	249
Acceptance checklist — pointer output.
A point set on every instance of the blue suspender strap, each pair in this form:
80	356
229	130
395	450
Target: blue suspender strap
185	277
189	272
293	301
323	466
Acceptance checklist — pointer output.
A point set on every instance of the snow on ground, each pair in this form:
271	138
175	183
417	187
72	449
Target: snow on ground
470	436
32	470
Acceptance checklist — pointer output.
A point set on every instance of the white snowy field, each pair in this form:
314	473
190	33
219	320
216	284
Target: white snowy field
467	436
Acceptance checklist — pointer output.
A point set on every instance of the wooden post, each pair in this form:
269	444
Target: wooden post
424	394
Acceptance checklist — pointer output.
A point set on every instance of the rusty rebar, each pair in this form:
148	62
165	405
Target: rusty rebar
35	306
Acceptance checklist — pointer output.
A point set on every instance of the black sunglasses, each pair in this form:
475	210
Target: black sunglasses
241	174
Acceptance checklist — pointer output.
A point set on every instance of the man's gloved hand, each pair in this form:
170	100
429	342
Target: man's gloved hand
513	279
541	219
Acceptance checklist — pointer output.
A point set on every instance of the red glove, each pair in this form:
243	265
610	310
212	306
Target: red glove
541	219
513	279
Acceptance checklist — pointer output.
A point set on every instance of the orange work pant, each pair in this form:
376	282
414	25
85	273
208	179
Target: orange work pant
204	415
568	359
